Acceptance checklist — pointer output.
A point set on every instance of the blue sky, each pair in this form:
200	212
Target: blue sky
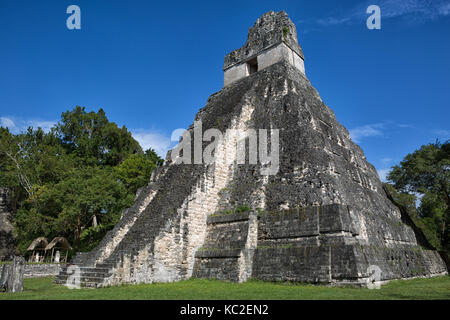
152	65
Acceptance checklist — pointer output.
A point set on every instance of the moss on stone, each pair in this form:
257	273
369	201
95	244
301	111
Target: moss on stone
285	32
242	208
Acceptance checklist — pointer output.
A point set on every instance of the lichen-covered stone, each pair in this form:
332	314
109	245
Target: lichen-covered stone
7	240
36	270
270	29
11	275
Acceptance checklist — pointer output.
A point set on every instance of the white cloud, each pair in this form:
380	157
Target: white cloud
45	125
383	174
368	130
153	139
7	123
18	125
427	9
445	9
443	134
419	197
160	142
405	125
416	10
331	21
385	161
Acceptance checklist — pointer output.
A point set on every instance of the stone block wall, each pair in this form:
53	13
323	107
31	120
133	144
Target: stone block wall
279	53
35	270
316	244
297	263
235	73
227	253
266	58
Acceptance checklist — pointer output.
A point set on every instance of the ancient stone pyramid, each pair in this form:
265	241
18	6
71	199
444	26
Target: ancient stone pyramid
322	217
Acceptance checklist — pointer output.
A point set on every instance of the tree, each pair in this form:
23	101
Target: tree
13	151
135	172
75	180
408	202
95	140
84	195
153	157
427	172
30	159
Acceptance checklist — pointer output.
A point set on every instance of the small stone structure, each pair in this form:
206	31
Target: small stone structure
272	39
323	217
11	276
7	240
37	270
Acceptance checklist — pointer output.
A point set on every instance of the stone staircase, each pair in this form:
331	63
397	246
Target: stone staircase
85	277
85	268
228	249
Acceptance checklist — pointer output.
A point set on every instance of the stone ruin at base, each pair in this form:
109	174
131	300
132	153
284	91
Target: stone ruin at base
322	218
7	239
12	274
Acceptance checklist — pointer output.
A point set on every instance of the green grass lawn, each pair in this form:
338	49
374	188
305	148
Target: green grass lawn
43	288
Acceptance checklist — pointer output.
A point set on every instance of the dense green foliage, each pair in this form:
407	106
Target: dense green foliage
425	173
200	289
408	201
73	181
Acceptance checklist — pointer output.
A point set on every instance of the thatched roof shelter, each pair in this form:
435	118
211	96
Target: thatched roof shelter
59	243
38	244
37	248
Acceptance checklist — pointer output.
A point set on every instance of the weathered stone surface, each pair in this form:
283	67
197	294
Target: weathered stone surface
228	249
269	30
273	38
11	279
323	217
7	240
36	270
